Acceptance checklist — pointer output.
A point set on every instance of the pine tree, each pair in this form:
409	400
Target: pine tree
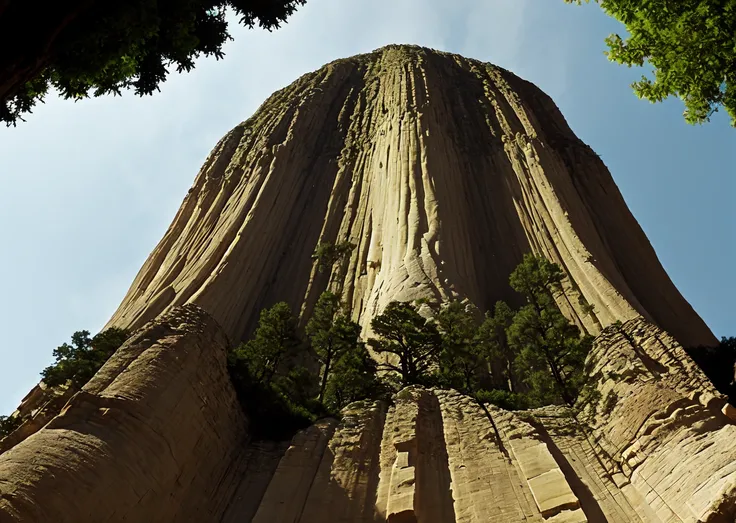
460	359
78	362
492	342
551	351
414	341
275	338
275	392
331	334
327	254
353	378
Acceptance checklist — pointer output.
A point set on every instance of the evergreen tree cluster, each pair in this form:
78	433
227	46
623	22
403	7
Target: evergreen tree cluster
525	358
514	358
76	363
285	382
285	379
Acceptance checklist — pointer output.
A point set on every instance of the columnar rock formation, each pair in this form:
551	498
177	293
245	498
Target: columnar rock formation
156	436
654	448
442	170
149	438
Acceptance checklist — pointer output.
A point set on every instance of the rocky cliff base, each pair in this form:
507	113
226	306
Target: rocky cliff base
157	436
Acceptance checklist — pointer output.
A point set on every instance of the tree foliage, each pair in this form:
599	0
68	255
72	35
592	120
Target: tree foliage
327	254
8	424
719	364
550	350
95	47
275	339
492	342
530	357
461	359
354	378
77	363
274	389
691	45
331	334
276	384
412	339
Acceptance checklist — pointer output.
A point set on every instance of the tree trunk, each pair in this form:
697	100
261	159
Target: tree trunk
510	375
406	374
560	383
324	378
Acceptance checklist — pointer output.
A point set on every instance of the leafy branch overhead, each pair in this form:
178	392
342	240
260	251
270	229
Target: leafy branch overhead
691	45
95	47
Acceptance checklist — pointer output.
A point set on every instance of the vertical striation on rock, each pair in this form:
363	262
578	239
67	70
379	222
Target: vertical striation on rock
149	438
442	170
654	448
157	436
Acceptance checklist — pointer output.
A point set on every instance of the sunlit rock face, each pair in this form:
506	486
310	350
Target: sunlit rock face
442	170
653	447
157	436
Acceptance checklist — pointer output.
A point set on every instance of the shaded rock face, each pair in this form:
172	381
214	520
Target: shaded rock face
152	437
654	448
443	171
156	436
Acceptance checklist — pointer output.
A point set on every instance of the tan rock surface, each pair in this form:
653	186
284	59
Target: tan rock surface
157	436
39	406
657	449
442	170
149	438
660	426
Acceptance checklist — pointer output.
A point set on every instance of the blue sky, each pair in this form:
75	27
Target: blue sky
89	188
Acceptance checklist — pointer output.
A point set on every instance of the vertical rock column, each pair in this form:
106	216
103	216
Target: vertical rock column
658	426
443	171
397	488
329	473
415	477
149	438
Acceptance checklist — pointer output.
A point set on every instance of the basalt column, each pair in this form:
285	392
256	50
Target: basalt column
443	171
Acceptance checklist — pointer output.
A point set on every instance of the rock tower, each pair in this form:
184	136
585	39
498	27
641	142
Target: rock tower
443	171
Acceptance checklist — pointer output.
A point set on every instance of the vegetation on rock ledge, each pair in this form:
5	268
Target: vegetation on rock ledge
719	364
75	365
516	359
530	357
276	374
8	424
